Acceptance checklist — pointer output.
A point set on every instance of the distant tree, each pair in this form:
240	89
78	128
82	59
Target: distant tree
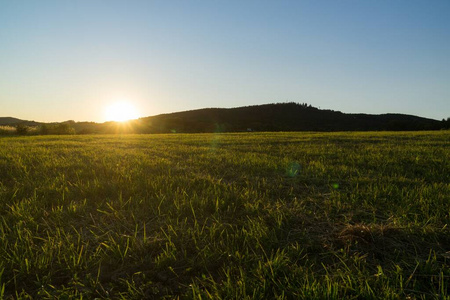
446	123
59	128
22	129
64	128
43	129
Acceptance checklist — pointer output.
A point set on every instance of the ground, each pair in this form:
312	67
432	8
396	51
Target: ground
235	216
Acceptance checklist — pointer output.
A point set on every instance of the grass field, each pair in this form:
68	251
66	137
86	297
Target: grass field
231	216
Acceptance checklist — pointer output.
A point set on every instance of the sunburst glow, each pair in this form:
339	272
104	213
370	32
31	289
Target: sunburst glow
120	112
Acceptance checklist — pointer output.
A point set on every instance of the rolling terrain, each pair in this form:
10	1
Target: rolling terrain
269	117
282	117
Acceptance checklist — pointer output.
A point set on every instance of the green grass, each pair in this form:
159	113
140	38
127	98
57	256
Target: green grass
226	216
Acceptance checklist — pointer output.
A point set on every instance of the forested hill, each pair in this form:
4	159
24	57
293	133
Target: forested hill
268	117
15	121
282	117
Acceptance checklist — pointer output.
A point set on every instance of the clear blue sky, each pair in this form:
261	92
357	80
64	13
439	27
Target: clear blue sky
68	59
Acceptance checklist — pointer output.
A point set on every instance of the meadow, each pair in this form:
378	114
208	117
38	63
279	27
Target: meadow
296	215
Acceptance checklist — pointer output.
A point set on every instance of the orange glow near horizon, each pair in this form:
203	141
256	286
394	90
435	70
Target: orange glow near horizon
121	111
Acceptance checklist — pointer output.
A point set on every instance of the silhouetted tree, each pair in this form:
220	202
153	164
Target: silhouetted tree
22	129
446	123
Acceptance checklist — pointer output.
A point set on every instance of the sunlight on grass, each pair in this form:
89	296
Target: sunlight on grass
261	216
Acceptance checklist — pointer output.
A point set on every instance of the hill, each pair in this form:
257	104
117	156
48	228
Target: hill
268	117
14	121
280	117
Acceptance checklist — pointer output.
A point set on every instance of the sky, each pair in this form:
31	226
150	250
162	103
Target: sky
70	59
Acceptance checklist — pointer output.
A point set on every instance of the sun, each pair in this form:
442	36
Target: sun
121	111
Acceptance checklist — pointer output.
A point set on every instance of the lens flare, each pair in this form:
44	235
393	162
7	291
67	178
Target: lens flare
121	112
